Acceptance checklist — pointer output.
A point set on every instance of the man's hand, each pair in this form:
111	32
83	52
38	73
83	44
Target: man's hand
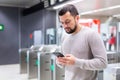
69	59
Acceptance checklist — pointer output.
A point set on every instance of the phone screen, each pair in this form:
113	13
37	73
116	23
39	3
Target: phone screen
58	54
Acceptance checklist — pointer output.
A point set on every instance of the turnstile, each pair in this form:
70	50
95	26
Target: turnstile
23	60
58	73
112	57
44	66
112	72
47	68
33	62
44	63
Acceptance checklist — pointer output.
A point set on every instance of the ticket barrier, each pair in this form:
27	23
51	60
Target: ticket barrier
58	73
23	60
112	57
47	68
44	64
36	47
32	66
32	62
112	72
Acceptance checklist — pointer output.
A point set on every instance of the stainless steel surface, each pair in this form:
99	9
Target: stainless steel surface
32	66
23	60
44	62
113	57
44	70
112	72
58	73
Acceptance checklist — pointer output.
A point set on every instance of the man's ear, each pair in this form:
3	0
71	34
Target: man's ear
77	18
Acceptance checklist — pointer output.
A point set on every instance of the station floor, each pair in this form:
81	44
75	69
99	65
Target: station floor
11	72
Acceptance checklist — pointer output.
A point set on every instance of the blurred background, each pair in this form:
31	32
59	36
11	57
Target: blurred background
25	25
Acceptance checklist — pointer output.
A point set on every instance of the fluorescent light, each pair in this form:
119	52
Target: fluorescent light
85	20
98	10
69	2
117	15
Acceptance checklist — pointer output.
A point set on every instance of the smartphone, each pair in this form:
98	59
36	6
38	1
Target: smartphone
58	54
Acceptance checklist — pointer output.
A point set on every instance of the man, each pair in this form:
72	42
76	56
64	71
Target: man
83	48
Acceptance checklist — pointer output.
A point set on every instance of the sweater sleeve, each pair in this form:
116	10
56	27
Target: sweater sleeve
99	60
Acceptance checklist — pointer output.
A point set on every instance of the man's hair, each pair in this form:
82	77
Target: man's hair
68	8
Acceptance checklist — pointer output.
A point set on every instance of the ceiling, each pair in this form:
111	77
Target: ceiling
18	3
84	7
99	8
90	5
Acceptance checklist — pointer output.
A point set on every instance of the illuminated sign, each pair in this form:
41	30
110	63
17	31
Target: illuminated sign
1	27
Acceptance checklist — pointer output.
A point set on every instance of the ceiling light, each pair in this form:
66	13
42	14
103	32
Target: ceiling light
117	15
68	2
98	10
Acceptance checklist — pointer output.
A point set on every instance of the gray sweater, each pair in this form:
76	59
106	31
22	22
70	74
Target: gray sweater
90	53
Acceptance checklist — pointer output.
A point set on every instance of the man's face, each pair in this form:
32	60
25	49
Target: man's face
68	22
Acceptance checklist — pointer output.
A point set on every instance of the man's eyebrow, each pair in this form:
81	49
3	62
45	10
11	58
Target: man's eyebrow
65	20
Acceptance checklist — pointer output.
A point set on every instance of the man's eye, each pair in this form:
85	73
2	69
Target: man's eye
67	22
62	23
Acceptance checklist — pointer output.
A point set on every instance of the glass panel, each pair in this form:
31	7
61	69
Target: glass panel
50	36
112	38
109	36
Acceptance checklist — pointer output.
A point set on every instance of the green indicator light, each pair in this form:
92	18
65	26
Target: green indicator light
52	67
1	27
36	62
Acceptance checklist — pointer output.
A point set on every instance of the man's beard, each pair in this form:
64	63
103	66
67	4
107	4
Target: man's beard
72	30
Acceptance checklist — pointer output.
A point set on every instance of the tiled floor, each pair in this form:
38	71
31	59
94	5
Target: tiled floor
11	72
